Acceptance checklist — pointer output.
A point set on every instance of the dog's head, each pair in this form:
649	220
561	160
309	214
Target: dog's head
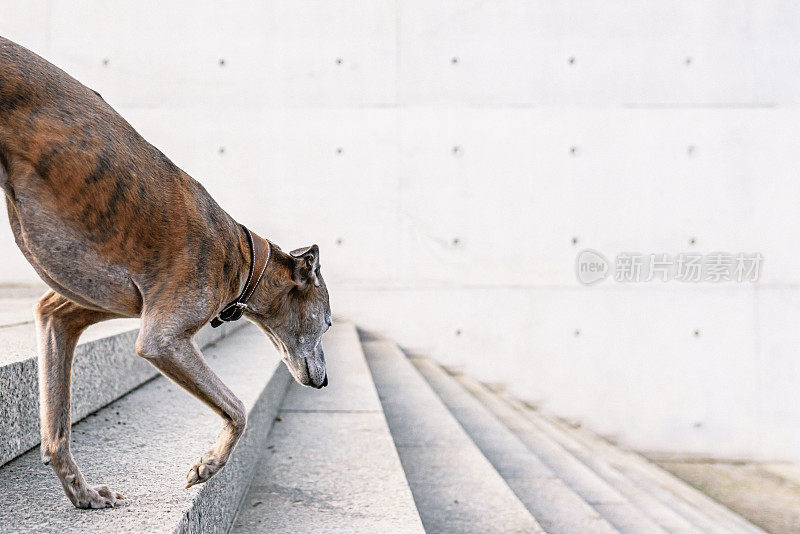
291	305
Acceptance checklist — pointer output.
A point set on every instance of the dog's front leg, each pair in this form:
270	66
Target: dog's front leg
60	322
178	357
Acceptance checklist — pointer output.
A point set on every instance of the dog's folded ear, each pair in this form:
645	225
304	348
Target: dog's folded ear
306	266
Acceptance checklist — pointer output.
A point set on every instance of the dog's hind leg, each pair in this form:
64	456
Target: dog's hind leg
178	357
60	322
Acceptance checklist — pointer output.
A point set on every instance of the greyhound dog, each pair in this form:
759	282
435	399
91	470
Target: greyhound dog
117	230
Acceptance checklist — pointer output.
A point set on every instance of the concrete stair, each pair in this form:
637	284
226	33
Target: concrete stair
142	445
633	494
393	444
330	464
455	487
653	488
583	503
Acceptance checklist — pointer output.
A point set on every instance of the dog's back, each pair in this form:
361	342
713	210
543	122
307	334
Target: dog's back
65	130
79	174
27	80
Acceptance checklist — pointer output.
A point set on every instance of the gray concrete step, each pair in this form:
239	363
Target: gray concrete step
143	444
330	464
702	512
614	505
557	507
669	519
106	367
455	488
665	515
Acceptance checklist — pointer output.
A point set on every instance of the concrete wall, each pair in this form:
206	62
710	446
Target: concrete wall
452	157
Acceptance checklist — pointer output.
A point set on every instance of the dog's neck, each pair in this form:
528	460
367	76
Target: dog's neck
245	256
276	275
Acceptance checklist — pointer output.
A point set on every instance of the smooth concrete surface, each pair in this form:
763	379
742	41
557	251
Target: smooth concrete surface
694	506
105	367
330	463
143	444
476	402
556	506
455	487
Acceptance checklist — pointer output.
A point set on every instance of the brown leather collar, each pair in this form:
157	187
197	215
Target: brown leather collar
260	251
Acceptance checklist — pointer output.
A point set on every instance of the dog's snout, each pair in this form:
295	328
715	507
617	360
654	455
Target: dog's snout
323	383
316	373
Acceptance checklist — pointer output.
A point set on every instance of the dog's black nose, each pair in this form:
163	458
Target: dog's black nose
325	382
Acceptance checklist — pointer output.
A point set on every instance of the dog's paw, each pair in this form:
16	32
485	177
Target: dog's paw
96	497
205	468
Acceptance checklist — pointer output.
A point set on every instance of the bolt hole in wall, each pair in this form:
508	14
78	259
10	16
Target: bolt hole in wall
608	147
